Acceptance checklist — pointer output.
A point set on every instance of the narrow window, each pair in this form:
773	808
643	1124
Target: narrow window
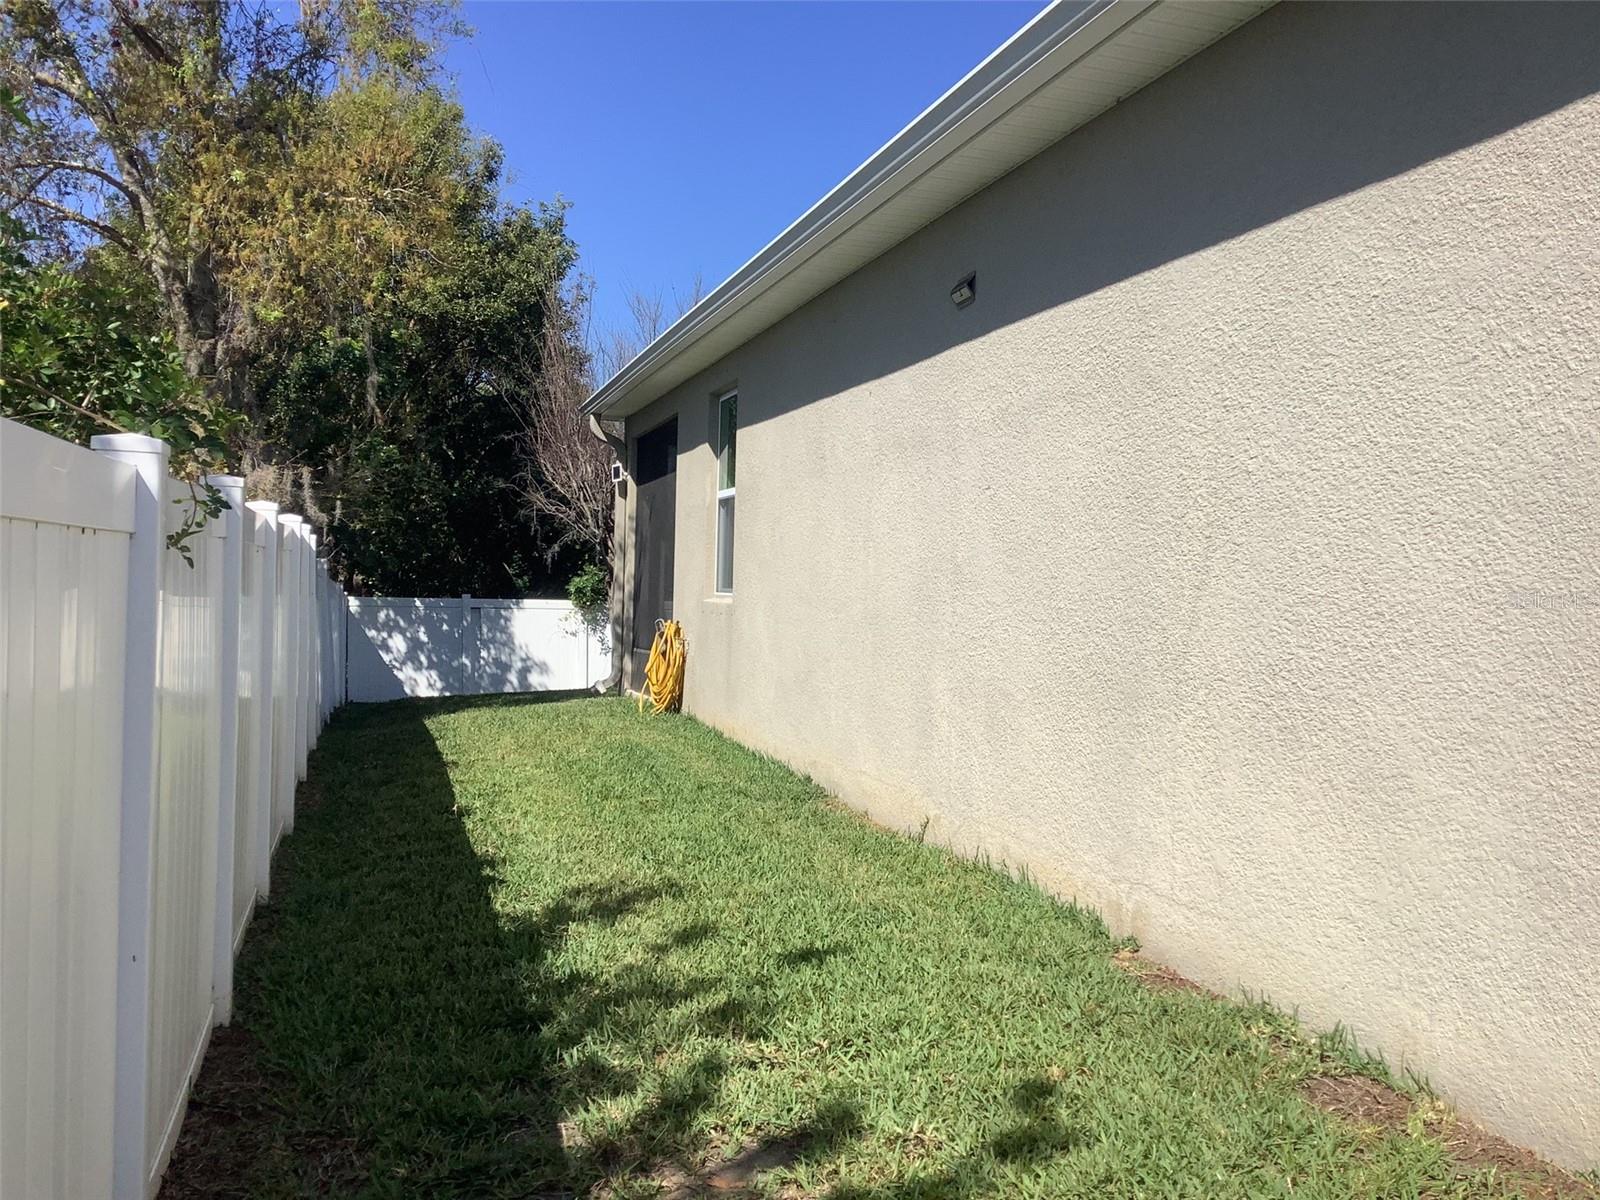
727	444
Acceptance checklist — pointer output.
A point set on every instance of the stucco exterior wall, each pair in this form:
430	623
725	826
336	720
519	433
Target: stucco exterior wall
1231	563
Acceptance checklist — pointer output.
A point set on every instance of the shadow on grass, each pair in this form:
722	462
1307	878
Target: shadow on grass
396	1036
419	710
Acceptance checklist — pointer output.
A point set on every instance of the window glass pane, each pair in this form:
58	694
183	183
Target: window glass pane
725	544
727	439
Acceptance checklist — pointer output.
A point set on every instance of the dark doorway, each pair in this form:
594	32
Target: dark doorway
655	476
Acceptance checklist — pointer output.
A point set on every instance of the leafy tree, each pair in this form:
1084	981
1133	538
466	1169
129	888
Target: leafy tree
73	365
418	480
287	204
247	163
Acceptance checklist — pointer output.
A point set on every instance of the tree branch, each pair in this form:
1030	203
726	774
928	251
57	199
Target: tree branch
110	232
60	86
99	418
82	168
95	106
141	34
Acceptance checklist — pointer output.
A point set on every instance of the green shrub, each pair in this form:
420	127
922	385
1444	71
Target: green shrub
590	593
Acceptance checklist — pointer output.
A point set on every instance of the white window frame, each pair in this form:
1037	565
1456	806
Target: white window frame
726	505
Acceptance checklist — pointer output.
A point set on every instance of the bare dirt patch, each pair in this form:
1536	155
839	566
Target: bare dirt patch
1158	977
229	1130
1476	1150
725	1178
224	1133
1358	1100
1369	1104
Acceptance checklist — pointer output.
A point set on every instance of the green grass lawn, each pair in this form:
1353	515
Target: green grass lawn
524	949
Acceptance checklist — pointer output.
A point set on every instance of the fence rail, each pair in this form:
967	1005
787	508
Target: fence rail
157	716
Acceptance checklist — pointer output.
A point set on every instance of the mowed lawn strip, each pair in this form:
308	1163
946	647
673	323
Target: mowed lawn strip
545	949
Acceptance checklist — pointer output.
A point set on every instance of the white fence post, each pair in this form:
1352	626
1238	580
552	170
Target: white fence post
232	489
130	1134
469	647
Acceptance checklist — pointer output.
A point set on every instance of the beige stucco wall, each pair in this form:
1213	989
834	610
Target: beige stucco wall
1231	564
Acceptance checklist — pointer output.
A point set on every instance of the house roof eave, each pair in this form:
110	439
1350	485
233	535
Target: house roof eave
1060	71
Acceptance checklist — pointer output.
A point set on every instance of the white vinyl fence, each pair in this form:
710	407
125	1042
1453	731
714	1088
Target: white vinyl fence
468	647
156	717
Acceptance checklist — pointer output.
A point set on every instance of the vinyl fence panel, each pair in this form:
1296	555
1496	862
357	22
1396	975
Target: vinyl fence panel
161	684
533	646
284	681
331	620
299	643
462	646
185	822
250	792
66	516
264	518
225	691
313	657
404	647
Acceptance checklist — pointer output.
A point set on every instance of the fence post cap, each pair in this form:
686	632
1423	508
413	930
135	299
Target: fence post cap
291	519
232	489
128	443
262	506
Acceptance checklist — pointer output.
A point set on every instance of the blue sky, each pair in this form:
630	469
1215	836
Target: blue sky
687	135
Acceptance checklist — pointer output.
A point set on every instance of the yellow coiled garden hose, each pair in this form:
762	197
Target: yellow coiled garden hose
663	672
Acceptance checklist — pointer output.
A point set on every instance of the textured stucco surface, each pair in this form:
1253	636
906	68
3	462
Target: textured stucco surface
1232	562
